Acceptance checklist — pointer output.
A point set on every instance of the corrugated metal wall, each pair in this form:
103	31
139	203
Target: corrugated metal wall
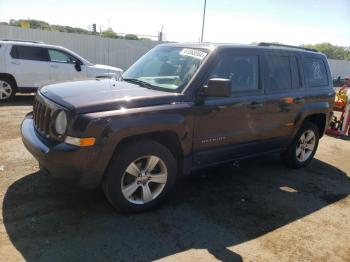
339	68
115	52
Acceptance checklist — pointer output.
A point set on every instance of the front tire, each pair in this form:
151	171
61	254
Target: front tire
140	177
303	147
8	89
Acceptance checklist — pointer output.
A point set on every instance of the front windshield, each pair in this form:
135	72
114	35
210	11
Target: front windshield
166	68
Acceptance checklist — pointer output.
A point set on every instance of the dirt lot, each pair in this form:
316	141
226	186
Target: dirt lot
259	211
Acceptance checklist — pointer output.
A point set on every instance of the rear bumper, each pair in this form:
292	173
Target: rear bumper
62	160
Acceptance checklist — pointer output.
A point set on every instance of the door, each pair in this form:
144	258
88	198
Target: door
65	67
29	65
230	127
284	97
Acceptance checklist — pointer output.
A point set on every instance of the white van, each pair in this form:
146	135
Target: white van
25	66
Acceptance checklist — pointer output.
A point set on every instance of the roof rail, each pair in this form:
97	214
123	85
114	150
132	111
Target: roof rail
25	41
289	46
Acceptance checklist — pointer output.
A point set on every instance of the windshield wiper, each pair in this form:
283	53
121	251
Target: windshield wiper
138	82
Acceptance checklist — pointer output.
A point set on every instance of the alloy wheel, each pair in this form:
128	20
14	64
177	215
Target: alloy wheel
144	179
305	146
5	90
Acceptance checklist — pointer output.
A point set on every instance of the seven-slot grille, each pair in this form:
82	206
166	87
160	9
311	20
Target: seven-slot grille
42	117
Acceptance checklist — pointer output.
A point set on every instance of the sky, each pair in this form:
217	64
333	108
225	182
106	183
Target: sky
227	21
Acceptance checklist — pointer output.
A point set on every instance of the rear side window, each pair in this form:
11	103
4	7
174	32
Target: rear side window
29	53
279	75
241	70
315	72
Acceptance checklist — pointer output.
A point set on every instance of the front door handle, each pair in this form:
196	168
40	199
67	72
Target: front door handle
299	100
15	62
255	105
54	66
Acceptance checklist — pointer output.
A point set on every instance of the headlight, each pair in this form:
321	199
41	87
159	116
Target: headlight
61	123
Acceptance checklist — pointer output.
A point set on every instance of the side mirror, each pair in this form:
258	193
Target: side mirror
77	65
217	87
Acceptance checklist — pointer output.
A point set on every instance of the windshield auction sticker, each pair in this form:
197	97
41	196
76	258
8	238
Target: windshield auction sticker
193	53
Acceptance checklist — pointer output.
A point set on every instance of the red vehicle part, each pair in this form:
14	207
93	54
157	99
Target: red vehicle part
341	126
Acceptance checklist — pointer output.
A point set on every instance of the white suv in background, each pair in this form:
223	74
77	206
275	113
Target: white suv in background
25	66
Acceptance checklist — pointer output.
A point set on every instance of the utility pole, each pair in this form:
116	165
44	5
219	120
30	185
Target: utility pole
160	35
205	6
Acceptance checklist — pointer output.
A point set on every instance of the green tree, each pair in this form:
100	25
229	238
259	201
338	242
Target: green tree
348	53
332	51
14	22
37	24
131	37
109	33
145	39
69	29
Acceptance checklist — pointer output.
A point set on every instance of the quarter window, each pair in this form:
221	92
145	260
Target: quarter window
241	70
315	71
29	53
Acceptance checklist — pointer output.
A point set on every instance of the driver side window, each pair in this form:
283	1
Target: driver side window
242	70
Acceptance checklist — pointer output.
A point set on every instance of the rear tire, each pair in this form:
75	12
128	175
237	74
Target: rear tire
302	149
8	89
140	176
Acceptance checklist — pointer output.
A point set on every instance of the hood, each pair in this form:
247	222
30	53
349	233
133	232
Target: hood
103	95
106	67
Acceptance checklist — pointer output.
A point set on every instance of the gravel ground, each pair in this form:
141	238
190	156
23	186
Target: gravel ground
257	211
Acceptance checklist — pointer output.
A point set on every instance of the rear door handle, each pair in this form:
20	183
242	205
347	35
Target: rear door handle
15	62
255	105
54	66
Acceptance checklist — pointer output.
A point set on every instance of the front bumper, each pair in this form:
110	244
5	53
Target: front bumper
62	160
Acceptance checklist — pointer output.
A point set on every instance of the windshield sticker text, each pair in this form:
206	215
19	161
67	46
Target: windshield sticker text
193	53
316	68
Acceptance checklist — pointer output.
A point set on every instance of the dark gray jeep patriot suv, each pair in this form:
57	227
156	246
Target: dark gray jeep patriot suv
178	108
